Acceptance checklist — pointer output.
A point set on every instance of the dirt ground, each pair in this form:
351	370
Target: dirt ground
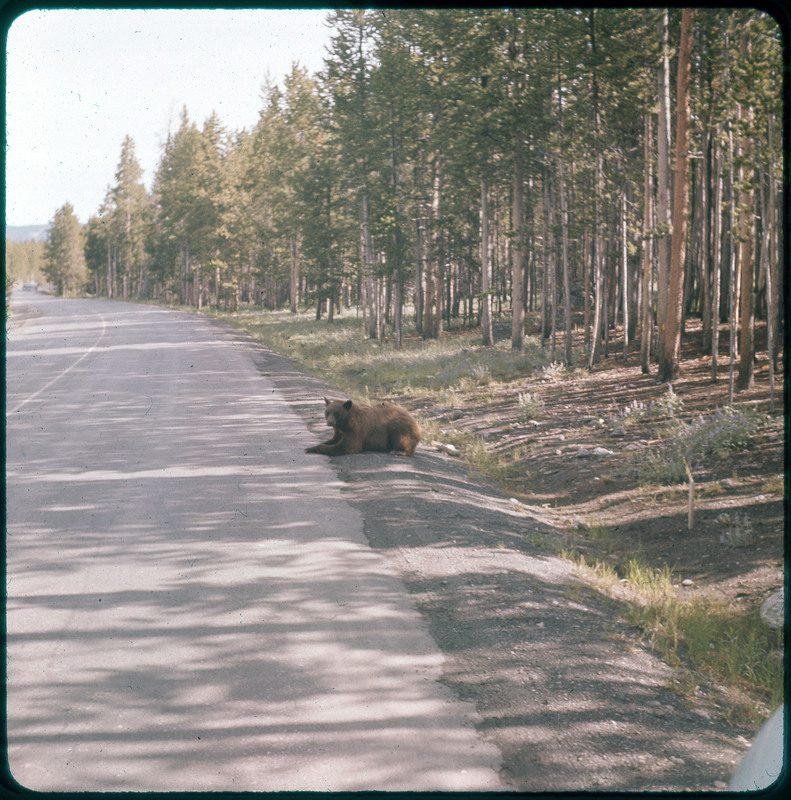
567	689
600	491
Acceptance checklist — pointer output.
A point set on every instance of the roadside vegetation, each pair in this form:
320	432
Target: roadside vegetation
490	404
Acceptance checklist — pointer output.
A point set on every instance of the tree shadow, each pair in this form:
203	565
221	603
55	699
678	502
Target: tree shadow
565	687
191	603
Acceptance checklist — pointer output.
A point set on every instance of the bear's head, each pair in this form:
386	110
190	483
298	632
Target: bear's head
336	412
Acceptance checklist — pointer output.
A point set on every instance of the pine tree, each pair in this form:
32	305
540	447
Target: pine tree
128	211
64	263
670	349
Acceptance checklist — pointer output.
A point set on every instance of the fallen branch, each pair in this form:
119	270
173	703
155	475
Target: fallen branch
691	508
446	448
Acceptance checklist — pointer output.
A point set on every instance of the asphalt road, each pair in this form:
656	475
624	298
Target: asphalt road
192	604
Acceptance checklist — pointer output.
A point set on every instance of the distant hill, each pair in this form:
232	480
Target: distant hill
23	233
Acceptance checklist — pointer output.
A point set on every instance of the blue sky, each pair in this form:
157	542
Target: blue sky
79	81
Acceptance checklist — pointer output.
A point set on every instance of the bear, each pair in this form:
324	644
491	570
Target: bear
383	428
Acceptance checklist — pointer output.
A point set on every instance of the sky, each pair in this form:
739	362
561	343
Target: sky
79	81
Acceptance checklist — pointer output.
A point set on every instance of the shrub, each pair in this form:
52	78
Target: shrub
531	406
697	443
668	406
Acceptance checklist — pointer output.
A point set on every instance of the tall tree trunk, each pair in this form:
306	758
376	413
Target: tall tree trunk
731	271
586	287
663	221
646	322
771	261
564	215
775	240
716	254
705	240
518	255
546	225
670	352
598	191
398	306
432	303
109	270
370	303
419	287
486	270
553	280
746	377
294	283
624	275
731	251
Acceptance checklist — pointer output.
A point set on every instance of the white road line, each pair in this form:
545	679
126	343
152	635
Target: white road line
63	372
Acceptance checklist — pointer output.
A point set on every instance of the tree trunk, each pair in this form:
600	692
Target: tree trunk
663	221
705	248
624	275
646	322
398	303
775	242
716	255
419	292
771	260
586	287
518	255
294	283
746	377
598	192
370	302
109	271
546	235
432	304
486	270
564	232
670	350
731	268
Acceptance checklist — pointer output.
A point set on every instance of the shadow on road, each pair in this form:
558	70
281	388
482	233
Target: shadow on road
567	691
191	603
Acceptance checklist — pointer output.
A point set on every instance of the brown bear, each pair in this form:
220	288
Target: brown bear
358	426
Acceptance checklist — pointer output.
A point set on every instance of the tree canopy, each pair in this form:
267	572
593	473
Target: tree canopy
479	164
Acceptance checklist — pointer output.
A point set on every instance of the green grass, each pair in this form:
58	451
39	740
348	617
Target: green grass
696	633
339	351
451	371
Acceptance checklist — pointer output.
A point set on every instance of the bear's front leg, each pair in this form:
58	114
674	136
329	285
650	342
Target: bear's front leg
330	447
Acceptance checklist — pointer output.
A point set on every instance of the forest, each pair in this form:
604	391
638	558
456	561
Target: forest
524	171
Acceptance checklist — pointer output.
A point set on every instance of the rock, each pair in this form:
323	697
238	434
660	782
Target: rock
772	609
729	483
446	448
602	451
633	446
583	452
687	582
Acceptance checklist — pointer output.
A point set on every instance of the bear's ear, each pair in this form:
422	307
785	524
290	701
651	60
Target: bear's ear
347	405
327	402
